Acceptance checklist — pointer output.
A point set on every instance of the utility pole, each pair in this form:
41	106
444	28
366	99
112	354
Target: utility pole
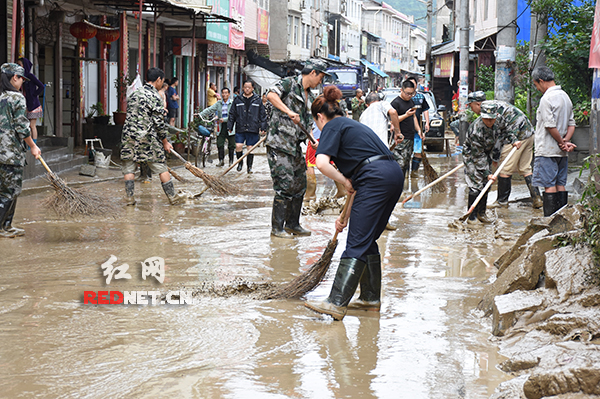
506	50
537	57
463	66
429	34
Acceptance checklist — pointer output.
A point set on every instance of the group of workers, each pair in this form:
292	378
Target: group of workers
355	155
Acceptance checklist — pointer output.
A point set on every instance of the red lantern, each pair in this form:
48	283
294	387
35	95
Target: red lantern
107	35
83	31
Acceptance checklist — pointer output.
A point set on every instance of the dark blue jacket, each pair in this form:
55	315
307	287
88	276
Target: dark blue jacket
32	88
247	114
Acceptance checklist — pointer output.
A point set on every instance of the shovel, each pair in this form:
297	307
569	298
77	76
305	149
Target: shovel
430	185
488	185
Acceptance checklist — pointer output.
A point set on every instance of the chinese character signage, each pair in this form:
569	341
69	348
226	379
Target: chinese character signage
218	31
263	26
444	66
237	11
216	55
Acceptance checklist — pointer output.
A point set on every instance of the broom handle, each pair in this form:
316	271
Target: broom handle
347	206
240	159
44	163
433	183
178	156
490	182
308	134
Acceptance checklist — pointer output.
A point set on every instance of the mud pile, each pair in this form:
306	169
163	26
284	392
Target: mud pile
546	317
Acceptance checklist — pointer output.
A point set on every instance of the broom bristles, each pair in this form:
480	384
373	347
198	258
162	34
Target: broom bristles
217	185
308	280
431	175
68	202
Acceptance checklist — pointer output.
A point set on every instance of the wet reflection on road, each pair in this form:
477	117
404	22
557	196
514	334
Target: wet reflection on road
427	342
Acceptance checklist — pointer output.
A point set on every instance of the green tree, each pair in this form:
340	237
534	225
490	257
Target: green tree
485	78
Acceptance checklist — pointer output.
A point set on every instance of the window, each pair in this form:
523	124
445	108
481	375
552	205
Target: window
290	24
296	23
304	35
486	6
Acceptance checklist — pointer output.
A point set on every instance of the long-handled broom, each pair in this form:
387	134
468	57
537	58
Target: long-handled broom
233	165
430	174
214	183
308	280
433	183
72	203
488	185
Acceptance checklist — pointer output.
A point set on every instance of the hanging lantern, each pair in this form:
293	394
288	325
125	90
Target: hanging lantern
83	31
107	35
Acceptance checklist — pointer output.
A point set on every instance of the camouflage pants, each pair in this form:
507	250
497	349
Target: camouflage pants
403	153
11	181
288	173
477	171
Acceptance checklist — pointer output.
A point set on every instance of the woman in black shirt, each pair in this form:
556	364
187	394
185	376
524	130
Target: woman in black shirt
369	173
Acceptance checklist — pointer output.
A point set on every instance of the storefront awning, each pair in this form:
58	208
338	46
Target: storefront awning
199	7
375	69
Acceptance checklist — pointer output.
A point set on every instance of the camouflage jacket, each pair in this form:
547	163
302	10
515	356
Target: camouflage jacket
283	134
482	146
14	128
513	122
145	127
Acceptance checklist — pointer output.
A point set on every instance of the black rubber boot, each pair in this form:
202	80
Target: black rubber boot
4	209
7	223
278	218
504	189
292	220
563	199
534	192
370	286
241	164
250	160
346	280
169	190
416	162
550	203
129	189
231	152
481	208
221	151
472	197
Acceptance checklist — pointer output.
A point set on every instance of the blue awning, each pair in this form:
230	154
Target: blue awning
333	57
375	69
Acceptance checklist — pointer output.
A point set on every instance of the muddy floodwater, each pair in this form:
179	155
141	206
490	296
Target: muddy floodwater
427	342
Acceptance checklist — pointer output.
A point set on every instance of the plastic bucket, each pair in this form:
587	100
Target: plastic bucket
102	158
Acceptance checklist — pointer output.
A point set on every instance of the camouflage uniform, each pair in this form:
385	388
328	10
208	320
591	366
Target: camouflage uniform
512	121
357	110
483	146
288	167
14	129
145	127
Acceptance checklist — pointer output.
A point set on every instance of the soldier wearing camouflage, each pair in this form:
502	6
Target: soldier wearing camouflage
15	133
483	145
513	122
291	98
145	137
145	127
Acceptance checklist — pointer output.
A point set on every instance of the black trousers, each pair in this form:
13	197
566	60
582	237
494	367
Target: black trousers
378	187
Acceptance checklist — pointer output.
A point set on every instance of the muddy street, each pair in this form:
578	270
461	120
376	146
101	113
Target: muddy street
427	342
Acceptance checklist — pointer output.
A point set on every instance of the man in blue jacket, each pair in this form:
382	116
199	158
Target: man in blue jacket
248	115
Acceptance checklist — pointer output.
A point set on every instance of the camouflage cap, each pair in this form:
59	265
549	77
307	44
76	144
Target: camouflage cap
476	96
489	110
13	69
317	65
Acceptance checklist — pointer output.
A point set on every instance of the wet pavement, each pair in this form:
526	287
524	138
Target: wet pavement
427	341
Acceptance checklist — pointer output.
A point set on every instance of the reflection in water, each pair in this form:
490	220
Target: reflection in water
427	342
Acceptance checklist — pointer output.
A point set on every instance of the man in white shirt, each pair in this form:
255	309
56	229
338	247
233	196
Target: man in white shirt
377	116
554	129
